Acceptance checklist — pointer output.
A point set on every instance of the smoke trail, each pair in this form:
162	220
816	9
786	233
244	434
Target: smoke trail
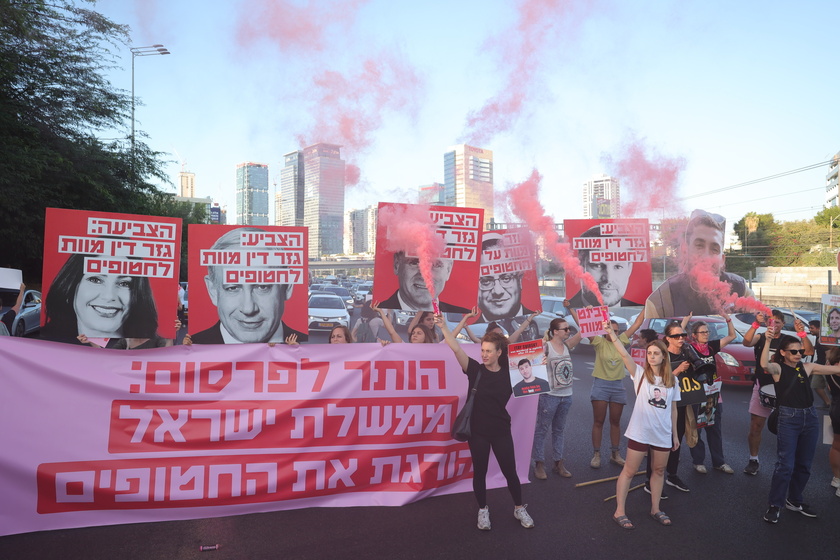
525	204
410	227
524	48
649	180
705	275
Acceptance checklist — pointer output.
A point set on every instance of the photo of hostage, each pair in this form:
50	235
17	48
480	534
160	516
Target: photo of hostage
247	312
104	307
612	278
833	321
413	294
679	295
530	384
657	399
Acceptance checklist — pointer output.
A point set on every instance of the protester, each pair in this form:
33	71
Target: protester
420	333
100	306
496	326
341	335
426	318
704	350
651	428
490	421
368	324
799	425
608	391
554	405
759	412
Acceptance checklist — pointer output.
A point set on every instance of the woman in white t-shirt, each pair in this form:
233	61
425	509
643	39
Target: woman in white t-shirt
651	427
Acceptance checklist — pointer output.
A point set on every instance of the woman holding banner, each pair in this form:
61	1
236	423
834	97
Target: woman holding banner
652	427
490	421
100	306
419	333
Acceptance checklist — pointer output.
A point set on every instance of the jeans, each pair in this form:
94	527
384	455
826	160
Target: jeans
799	431
713	435
551	411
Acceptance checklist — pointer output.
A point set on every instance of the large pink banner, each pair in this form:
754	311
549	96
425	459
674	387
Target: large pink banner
102	437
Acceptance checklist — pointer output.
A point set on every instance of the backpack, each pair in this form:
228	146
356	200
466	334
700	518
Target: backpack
364	333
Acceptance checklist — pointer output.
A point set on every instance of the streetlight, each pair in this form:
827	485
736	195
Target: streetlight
151	50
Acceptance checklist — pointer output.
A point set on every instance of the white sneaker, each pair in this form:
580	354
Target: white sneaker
701	469
835	482
837	493
522	515
484	518
724	468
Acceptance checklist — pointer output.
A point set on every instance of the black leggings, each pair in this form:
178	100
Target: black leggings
502	446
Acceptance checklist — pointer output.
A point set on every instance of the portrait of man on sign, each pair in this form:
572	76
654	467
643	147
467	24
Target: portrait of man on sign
249	285
701	246
413	294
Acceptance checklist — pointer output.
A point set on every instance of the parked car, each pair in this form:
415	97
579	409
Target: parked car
327	311
28	319
743	321
343	293
735	363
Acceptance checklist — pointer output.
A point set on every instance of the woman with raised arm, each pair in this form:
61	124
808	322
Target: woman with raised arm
799	424
420	333
490	421
652	426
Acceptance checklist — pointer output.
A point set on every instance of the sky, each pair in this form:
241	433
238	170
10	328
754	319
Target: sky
678	98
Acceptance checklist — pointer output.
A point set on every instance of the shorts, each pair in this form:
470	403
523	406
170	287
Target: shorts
643	447
608	391
756	407
834	414
818	382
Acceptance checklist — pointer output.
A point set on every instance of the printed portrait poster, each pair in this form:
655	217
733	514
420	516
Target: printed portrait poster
528	373
248	284
109	276
398	280
507	282
616	253
830	320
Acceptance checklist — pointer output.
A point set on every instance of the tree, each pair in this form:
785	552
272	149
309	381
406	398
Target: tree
54	100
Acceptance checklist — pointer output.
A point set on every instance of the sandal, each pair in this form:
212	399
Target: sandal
623	522
661	518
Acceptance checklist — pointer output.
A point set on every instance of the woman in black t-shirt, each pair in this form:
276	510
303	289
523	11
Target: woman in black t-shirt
799	425
490	421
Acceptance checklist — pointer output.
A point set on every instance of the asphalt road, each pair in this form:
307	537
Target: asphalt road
719	518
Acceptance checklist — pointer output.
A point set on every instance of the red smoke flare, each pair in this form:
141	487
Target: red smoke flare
649	181
411	229
705	277
525	204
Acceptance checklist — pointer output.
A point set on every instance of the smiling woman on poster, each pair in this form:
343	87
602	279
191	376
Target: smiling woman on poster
98	305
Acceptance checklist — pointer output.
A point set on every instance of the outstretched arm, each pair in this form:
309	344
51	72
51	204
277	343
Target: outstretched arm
462	324
628	361
460	355
19	300
802	333
386	322
686	319
640	318
730	334
749	337
525	324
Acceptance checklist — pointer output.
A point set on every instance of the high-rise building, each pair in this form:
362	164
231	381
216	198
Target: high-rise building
186	184
601	198
468	178
291	190
252	194
323	204
832	188
360	230
432	194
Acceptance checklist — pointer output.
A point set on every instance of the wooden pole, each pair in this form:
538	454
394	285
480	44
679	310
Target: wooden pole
630	490
591	482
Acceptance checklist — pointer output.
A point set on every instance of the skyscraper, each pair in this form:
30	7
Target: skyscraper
601	198
291	190
360	230
252	194
186	184
323	204
468	178
432	194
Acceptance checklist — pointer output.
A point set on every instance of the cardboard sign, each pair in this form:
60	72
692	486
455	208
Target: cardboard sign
403	234
616	253
109	275
591	320
528	373
10	279
247	283
830	320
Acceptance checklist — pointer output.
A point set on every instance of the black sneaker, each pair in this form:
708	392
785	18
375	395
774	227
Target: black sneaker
772	514
674	480
801	508
663	496
752	467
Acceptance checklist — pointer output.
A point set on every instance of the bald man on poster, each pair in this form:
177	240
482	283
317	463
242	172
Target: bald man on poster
679	295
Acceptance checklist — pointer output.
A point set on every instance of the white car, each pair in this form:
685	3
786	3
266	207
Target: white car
327	311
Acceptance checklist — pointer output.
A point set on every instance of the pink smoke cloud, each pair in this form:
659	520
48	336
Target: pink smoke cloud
411	229
524	48
649	181
705	275
525	204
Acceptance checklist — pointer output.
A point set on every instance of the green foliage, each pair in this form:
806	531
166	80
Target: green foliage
54	102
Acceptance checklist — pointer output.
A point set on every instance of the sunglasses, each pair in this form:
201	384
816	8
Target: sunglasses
567	329
681	335
795	352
